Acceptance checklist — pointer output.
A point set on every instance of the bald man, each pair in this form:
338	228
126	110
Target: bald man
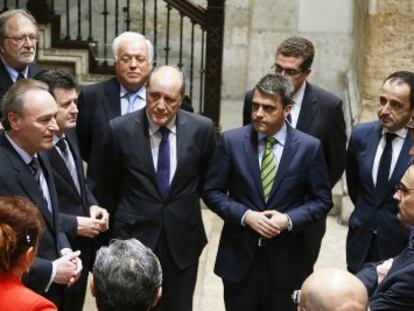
154	162
333	290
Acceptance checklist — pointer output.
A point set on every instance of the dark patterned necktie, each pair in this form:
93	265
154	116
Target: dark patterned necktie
385	164
20	76
163	162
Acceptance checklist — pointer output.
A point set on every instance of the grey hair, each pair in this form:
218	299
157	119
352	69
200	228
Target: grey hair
15	98
132	36
276	85
7	15
126	274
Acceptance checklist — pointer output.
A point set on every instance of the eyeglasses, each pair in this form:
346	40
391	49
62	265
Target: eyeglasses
401	187
20	39
288	72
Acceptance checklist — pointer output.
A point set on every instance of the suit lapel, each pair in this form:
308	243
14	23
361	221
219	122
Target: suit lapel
5	80
402	162
251	152
27	181
372	145
287	155
112	100
307	110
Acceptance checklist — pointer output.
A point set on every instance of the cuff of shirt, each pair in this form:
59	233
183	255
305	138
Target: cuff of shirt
290	224
243	217
52	277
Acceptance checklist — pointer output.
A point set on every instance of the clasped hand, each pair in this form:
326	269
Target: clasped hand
268	224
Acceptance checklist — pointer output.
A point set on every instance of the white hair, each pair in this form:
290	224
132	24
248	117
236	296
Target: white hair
129	36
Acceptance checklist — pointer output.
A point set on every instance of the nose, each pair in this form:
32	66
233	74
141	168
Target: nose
74	108
53	126
397	196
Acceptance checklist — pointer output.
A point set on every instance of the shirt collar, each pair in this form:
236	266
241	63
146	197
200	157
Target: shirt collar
141	93
402	133
27	158
13	72
298	96
57	138
153	128
280	135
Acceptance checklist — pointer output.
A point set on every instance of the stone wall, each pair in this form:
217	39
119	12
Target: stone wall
388	36
253	30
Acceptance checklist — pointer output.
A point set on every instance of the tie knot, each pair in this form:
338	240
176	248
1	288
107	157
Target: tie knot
389	137
270	141
62	144
33	166
20	76
164	131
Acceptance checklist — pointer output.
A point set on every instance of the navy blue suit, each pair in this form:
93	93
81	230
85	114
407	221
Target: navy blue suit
396	291
16	180
374	216
301	190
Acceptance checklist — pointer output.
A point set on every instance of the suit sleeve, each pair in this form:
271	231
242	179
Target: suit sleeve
336	145
69	224
216	186
39	274
369	277
209	148
319	199
83	126
352	169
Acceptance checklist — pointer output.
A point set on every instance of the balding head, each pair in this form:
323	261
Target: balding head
333	290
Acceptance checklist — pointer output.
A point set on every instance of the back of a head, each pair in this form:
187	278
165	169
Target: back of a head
333	290
21	225
126	275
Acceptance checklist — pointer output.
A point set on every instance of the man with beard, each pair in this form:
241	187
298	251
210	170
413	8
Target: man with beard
377	157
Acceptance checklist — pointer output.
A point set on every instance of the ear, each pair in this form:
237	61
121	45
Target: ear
307	72
93	287
14	120
28	257
157	297
286	109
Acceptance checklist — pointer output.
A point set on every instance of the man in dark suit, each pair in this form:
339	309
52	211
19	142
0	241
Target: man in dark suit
153	165
314	111
125	93
377	157
390	283
81	218
18	38
29	122
268	182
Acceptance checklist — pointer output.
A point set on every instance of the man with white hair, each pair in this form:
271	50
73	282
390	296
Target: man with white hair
332	290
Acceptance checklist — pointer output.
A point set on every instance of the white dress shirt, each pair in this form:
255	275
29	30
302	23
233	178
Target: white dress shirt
397	144
297	99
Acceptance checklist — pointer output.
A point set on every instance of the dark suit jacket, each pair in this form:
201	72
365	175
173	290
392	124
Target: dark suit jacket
6	82
373	213
98	104
127	184
301	190
71	203
396	291
320	116
17	180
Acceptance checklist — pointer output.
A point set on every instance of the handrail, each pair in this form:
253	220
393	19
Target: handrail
195	12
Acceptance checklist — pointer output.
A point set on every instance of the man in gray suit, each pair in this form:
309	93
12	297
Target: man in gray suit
154	161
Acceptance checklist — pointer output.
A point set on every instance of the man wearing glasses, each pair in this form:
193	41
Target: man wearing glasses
315	111
18	39
377	157
390	283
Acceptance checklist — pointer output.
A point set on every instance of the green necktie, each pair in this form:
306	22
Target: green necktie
268	169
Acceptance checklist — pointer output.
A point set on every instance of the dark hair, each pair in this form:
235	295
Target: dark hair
276	85
20	228
57	78
298	47
406	77
126	275
14	99
7	15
